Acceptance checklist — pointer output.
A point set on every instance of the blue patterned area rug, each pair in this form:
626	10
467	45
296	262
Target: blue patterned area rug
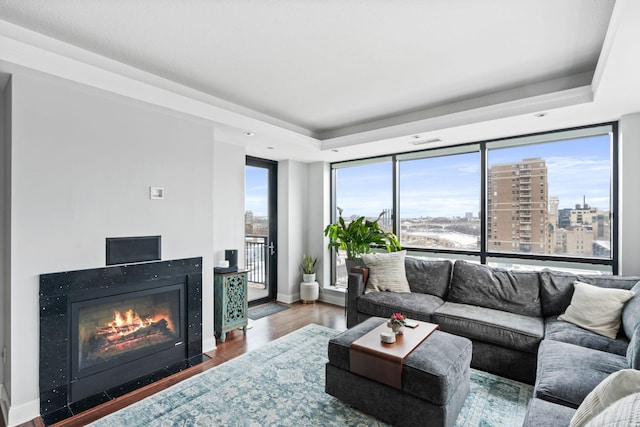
282	384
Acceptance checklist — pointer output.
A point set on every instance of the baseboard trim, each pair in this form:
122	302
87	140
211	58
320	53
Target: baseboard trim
288	298
19	414
326	295
335	298
208	344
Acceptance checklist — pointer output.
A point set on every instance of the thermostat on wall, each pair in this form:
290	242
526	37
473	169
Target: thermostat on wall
156	193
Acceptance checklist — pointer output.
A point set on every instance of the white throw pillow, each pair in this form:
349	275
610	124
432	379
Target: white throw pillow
596	309
386	272
613	388
624	413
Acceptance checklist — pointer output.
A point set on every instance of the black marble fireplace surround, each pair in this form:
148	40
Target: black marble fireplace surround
65	389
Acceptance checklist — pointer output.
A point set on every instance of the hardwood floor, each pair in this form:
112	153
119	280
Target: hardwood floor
261	332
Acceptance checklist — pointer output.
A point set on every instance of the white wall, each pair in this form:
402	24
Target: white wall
629	225
82	165
319	198
228	216
319	206
292	227
4	162
5	272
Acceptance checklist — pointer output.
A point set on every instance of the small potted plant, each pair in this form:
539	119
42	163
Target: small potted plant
308	266
396	322
309	288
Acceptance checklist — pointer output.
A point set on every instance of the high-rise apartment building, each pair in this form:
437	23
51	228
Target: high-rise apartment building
517	215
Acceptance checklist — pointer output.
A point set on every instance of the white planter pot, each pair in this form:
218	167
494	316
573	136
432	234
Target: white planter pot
308	278
309	292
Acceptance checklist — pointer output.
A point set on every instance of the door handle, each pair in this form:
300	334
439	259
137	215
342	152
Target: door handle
272	249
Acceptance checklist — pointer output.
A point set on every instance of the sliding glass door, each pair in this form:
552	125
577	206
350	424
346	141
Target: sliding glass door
260	221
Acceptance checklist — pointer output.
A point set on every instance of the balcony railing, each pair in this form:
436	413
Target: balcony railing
256	255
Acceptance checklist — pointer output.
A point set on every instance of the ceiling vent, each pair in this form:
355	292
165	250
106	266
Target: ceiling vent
425	141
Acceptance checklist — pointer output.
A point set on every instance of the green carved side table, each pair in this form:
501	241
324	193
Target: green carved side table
230	303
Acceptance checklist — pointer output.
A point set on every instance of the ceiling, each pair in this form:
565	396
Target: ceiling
330	80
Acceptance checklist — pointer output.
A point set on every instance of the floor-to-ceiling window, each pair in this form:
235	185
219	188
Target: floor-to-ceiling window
534	201
551	195
439	199
362	189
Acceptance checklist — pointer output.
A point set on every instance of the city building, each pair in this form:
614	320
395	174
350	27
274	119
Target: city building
517	201
583	230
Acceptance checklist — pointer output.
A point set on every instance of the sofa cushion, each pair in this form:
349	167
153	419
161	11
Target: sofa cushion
596	309
428	276
386	272
338	351
567	372
541	413
633	350
559	330
631	312
556	288
631	327
436	370
624	412
509	330
412	305
616	386
484	286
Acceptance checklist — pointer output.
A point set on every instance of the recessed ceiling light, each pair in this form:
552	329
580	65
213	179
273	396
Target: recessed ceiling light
249	134
542	114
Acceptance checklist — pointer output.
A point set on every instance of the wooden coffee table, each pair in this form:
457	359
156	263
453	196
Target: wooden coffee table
383	362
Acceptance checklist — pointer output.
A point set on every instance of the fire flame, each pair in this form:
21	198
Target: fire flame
130	322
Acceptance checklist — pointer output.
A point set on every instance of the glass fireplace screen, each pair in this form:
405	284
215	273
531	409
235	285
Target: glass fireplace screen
127	325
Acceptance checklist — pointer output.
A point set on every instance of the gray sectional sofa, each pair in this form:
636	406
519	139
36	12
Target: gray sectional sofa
511	317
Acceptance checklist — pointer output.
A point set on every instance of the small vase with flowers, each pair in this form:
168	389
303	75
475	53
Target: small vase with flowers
397	322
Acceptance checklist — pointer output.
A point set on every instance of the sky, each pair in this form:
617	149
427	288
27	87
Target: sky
256	190
450	186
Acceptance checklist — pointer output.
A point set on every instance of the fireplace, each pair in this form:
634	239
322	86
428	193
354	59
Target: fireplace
106	331
111	336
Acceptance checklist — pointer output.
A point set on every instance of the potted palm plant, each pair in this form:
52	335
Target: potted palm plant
359	237
309	288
